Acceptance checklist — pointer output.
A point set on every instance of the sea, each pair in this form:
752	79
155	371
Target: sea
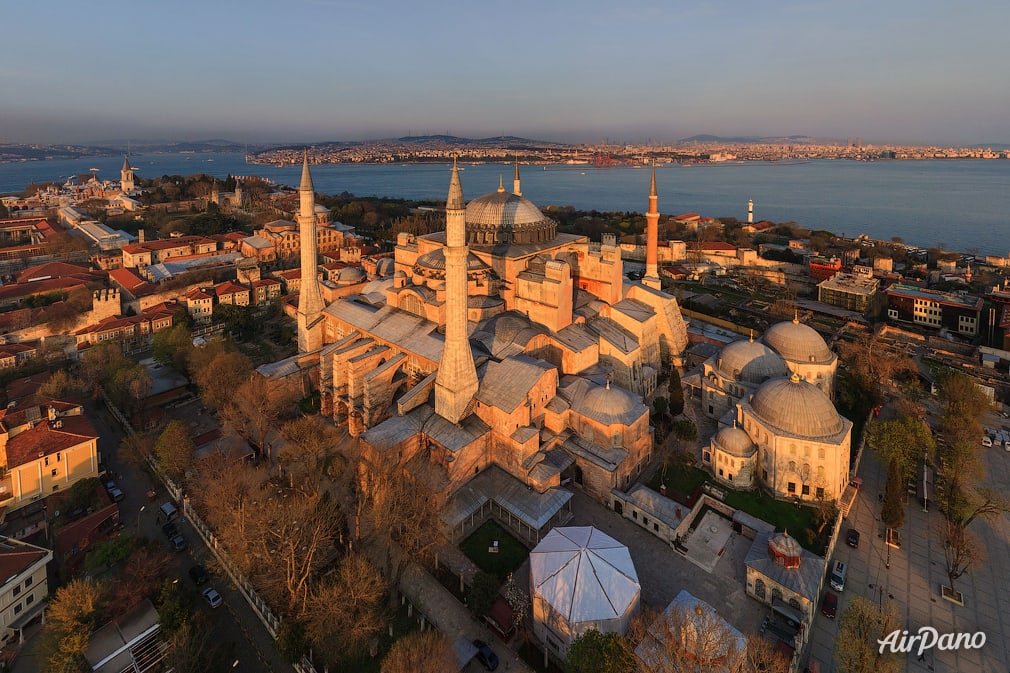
961	205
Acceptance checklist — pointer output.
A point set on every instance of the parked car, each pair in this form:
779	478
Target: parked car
179	543
116	495
170	530
485	655
198	574
852	538
212	597
830	605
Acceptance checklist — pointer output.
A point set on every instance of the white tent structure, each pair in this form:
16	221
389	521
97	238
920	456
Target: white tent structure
581	579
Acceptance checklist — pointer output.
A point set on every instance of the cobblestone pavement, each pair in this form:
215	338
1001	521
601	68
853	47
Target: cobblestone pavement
912	583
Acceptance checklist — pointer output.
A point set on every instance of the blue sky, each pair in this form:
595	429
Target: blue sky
890	71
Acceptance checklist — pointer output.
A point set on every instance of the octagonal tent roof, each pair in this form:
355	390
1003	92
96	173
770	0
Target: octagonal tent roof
584	574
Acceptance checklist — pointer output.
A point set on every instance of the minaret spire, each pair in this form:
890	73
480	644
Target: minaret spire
456	381
310	299
515	179
651	278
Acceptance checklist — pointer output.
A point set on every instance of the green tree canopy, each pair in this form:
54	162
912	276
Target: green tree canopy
174	449
595	652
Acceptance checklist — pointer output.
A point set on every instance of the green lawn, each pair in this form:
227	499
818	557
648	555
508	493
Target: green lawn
785	516
680	481
511	553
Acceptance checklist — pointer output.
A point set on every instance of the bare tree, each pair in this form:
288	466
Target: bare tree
311	452
961	549
692	638
347	613
763	657
256	407
420	652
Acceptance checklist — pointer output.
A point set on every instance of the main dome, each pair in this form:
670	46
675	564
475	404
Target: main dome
798	343
797	407
501	217
751	362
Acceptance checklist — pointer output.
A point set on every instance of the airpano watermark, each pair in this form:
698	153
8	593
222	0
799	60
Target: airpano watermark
928	638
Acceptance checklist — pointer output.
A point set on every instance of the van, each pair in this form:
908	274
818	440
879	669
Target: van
838	576
167	511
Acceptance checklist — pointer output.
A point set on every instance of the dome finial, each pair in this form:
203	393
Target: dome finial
796	316
501	185
752	335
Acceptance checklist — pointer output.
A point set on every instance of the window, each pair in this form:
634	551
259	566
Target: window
58	457
820	492
17	590
805	490
47	461
645	521
764	475
17	608
720	471
30	599
791	487
706	456
54	471
28	582
634	515
655	527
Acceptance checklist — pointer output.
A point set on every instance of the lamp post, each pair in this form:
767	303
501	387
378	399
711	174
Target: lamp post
139	512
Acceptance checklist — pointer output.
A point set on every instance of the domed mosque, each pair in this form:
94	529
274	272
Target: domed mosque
779	427
502	359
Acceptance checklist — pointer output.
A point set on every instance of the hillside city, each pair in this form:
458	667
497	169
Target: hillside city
250	427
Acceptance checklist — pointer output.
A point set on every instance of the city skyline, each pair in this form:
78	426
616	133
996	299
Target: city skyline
319	70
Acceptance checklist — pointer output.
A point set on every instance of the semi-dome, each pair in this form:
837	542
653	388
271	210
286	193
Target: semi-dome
735	441
501	217
610	404
435	261
750	362
798	343
797	407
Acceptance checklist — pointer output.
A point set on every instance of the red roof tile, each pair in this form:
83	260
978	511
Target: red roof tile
46	440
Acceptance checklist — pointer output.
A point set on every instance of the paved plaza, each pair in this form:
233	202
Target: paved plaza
912	583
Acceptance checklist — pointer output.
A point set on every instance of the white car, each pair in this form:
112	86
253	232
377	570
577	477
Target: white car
212	597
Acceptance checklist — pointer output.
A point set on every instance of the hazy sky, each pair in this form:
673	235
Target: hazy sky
899	71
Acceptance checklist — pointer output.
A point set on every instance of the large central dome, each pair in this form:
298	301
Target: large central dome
797	407
501	217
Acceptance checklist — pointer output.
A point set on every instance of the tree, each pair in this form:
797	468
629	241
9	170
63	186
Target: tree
256	407
70	618
310	453
904	439
762	656
141	578
420	652
519	601
482	592
893	512
171	347
595	652
174	449
60	384
676	392
860	627
193	647
344	615
961	549
692	638
220	377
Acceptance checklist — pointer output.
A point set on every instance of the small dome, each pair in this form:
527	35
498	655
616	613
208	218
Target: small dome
610	405
501	217
385	266
750	362
435	261
797	407
798	343
351	274
735	442
785	549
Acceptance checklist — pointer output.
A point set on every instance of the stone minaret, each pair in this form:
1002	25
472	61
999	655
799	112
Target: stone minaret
310	300
126	182
750	211
515	180
456	382
651	278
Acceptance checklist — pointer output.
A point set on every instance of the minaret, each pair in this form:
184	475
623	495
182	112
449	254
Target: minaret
515	179
456	381
126	183
750	211
651	278
310	300
215	192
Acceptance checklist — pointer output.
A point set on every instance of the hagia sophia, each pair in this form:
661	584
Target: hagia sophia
499	360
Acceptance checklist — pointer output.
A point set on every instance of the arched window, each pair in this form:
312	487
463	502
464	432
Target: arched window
759	589
410	302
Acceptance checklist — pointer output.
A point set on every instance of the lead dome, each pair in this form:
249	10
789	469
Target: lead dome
797	407
797	342
501	217
735	441
751	362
